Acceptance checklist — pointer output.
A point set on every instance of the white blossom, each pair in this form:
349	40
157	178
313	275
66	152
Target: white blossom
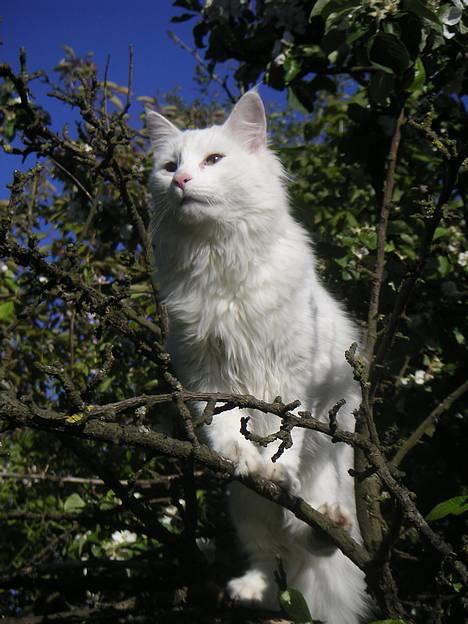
124	537
361	252
380	9
279	60
463	258
170	512
419	377
452	15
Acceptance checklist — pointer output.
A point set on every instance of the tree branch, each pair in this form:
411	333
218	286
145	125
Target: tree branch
373	316
19	414
428	423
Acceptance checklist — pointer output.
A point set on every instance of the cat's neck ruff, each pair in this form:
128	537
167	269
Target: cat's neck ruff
227	248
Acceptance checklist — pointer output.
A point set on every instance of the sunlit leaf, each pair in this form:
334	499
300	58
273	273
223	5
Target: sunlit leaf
294	604
74	503
7	311
453	506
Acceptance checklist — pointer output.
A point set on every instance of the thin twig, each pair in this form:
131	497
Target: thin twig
373	316
165	480
106	72
73	178
428	423
130	80
222	83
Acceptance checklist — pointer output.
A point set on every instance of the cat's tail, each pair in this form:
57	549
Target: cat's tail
334	589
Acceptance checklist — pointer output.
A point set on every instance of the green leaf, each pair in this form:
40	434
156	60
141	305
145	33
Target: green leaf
74	503
301	97
387	50
443	266
294	103
105	384
324	8
182	18
453	506
440	232
7	311
380	87
291	68
419	78
294	604
11	285
418	8
318	7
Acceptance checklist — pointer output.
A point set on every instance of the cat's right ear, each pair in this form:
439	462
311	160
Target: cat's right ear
160	129
247	121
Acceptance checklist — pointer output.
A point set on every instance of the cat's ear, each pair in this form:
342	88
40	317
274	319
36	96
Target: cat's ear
160	129
247	122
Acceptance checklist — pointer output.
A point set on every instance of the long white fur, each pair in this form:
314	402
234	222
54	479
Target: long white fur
248	314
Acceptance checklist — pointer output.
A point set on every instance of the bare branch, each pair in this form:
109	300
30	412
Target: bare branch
428	423
222	83
373	316
22	415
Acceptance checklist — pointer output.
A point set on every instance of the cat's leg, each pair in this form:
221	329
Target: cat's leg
258	524
285	470
224	437
326	486
319	543
254	587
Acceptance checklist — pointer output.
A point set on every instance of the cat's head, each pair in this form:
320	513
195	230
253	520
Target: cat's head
217	175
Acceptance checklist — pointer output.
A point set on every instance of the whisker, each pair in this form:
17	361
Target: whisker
161	211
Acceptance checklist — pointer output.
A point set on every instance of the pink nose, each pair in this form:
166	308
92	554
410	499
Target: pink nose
181	179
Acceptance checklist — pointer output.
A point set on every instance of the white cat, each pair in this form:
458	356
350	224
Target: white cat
248	314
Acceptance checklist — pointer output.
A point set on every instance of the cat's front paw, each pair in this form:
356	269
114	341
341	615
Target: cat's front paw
246	458
281	475
249	588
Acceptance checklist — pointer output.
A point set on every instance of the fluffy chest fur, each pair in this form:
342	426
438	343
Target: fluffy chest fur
231	310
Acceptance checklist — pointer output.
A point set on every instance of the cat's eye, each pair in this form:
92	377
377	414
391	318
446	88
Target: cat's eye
212	159
170	166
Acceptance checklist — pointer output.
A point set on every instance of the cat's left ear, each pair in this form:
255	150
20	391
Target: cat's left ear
247	122
160	129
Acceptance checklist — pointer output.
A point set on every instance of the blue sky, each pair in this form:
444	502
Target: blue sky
105	27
